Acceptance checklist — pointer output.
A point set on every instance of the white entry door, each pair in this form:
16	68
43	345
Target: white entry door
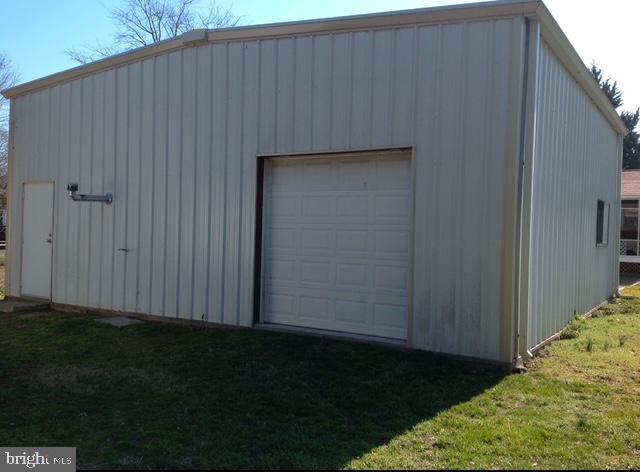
337	243
37	229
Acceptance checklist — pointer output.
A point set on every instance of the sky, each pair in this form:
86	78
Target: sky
36	33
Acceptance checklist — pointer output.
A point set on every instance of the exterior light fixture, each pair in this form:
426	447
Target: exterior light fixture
72	188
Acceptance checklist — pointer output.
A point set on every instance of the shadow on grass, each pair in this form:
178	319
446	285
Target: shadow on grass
159	396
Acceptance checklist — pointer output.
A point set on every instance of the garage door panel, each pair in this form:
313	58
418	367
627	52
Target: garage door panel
391	278
350	275
282	238
391	208
355	174
354	206
317	240
337	245
317	175
392	174
357	241
283	306
283	270
352	312
283	177
318	206
315	273
392	243
353	292
285	206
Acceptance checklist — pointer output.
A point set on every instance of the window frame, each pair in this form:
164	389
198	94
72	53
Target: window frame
602	228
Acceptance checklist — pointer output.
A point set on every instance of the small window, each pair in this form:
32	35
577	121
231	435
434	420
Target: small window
602	224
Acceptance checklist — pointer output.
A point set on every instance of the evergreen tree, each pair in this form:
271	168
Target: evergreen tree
631	143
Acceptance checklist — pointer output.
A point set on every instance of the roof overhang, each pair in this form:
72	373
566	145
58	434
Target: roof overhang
533	9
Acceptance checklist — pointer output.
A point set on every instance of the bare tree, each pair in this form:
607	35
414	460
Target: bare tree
144	22
7	79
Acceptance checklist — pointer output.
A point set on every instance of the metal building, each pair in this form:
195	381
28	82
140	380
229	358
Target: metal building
444	178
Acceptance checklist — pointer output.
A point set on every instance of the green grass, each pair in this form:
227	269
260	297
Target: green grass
155	395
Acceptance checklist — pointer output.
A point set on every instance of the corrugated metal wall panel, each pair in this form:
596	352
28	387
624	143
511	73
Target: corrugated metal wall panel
175	139
575	164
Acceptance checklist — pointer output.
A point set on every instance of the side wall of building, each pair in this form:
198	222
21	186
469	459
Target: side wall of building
576	163
175	139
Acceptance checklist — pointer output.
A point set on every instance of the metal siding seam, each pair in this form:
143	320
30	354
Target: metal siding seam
98	150
414	119
416	335
488	106
188	175
372	85
101	153
218	127
147	185
394	70
294	90
138	219
79	210
511	182
110	150
89	275
67	207
162	307
202	183
547	197
179	194
194	214
211	157
239	266
459	326
225	194
331	91
168	142
149	308
11	198
56	175
125	241
350	107
60	270
434	339
557	257
248	180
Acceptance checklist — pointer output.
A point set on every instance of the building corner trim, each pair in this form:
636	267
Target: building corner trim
510	237
525	186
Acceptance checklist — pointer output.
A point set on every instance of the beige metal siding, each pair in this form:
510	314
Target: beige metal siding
175	138
575	164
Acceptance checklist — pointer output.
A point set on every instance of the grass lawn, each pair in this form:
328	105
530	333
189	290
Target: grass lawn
154	395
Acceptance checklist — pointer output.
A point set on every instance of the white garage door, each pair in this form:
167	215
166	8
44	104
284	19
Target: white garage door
336	243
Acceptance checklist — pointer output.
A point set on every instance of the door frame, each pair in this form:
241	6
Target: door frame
258	271
53	225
